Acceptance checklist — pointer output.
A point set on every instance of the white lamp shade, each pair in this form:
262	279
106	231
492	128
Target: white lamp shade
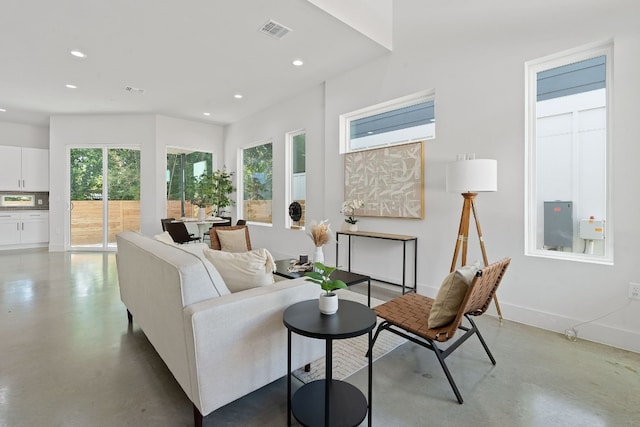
472	176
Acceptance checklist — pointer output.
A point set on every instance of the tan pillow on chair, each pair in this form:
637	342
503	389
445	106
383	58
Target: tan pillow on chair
451	294
232	240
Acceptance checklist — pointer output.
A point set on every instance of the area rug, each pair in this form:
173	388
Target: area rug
349	355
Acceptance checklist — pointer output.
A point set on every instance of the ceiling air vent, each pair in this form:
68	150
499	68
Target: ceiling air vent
274	29
132	89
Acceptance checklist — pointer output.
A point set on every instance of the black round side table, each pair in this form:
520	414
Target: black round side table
328	402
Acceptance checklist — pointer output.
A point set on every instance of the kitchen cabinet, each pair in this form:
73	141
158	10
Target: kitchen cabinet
24	169
24	228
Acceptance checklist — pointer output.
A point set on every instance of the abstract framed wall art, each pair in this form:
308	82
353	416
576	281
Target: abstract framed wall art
390	180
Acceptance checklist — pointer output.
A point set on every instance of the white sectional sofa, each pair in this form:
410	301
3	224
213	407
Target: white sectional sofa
218	345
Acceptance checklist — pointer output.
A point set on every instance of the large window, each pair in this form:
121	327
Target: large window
296	182
257	172
184	167
567	214
104	195
407	119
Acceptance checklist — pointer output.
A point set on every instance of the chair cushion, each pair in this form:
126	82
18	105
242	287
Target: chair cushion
451	294
233	240
164	237
243	270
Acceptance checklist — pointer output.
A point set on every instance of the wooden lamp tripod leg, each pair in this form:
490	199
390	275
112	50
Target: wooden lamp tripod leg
484	254
468	208
463	233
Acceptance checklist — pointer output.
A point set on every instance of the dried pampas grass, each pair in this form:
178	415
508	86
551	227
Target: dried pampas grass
320	232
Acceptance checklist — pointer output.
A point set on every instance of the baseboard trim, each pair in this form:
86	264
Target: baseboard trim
592	331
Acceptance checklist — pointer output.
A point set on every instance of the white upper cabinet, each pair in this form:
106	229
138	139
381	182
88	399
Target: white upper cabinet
35	169
24	169
10	168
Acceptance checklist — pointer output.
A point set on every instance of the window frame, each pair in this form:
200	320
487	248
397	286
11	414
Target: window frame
240	181
532	68
289	139
182	150
383	107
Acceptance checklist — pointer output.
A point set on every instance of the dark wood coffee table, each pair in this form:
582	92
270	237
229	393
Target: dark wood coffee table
349	278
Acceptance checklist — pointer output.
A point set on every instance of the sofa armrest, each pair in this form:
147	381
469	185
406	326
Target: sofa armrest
237	343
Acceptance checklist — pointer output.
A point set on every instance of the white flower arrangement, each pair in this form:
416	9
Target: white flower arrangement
349	208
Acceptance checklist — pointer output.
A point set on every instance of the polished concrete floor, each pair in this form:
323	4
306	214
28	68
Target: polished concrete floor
68	358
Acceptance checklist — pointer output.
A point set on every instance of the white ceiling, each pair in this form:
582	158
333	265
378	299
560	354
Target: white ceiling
189	56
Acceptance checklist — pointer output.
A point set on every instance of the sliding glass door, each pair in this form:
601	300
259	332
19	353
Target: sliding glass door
104	195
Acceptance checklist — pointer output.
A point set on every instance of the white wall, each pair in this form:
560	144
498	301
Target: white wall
476	67
20	135
149	132
306	111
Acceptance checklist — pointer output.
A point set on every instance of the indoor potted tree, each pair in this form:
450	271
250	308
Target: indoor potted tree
328	301
221	188
213	189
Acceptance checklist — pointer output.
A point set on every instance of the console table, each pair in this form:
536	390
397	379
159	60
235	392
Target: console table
328	402
384	236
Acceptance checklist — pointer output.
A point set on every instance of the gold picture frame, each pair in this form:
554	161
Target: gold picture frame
390	181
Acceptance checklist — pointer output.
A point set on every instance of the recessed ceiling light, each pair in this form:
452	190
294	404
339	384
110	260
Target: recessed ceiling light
72	86
78	54
298	62
2	110
206	114
238	96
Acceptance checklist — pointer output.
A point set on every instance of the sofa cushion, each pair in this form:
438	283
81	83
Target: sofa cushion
233	240
164	237
218	281
243	270
451	294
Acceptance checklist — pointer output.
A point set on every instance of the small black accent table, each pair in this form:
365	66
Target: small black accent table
349	278
328	402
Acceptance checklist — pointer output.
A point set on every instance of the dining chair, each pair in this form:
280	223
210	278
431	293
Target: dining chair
179	233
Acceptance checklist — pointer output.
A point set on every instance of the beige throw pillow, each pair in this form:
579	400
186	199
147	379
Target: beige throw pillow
232	240
451	294
243	270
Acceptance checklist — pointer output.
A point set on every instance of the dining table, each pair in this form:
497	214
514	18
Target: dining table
204	224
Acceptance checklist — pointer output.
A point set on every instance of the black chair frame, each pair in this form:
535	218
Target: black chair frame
441	354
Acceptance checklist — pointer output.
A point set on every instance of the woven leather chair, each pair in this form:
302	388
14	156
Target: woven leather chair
179	233
408	316
215	242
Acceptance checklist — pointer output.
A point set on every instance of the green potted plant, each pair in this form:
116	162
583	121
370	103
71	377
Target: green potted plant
222	187
328	301
213	189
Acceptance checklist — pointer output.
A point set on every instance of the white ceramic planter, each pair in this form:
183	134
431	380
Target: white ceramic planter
328	302
201	213
353	227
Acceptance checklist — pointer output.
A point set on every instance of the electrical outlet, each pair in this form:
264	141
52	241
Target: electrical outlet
634	290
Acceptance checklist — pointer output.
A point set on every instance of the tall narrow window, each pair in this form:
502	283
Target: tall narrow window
296	184
257	172
567	157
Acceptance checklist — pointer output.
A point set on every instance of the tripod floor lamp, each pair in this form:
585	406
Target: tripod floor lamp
470	176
